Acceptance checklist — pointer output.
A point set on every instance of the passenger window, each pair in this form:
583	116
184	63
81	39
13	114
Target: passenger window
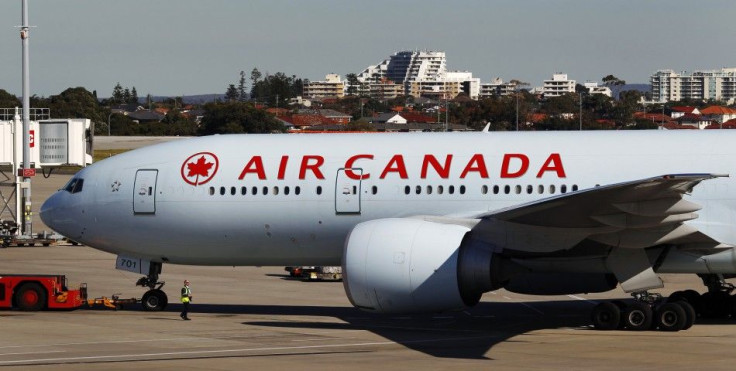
529	189
243	190
495	189
563	188
462	189
212	191
574	187
233	191
275	190
222	191
552	189
374	189
419	189
429	189
517	189
407	190
254	191
319	190
484	189
507	189
451	190
286	190
297	190
440	189
540	189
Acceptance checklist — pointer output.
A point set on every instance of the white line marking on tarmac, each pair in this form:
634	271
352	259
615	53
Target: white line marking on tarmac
99	342
583	299
204	352
15	354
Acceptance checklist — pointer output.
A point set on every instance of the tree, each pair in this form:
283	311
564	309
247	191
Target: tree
231	95
126	95
8	100
255	76
353	83
237	117
242	93
117	94
611	80
133	96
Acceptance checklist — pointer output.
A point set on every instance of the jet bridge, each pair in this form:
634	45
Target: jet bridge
53	143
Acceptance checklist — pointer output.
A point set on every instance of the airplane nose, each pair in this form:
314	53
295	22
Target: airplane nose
55	213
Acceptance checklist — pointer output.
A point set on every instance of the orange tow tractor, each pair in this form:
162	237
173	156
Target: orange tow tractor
37	292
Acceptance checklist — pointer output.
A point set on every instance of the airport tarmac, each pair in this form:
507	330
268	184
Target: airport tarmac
256	317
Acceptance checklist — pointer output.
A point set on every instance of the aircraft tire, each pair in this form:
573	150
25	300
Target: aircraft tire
715	304
606	316
638	316
671	317
154	300
690	314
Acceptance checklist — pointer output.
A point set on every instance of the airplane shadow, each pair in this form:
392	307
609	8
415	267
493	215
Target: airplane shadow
469	334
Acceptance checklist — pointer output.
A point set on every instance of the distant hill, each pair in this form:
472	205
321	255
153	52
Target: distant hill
643	88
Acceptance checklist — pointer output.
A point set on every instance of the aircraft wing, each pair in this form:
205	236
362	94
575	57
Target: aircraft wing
619	220
635	214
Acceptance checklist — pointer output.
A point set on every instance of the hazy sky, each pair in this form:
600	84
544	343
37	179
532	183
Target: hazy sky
184	47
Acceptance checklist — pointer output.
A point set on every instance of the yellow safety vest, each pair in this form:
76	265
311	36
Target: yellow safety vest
186	292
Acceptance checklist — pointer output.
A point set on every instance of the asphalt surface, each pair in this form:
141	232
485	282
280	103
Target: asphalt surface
258	318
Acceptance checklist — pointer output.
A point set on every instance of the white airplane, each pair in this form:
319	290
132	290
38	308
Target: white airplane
427	222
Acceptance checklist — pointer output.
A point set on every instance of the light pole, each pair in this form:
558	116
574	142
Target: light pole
108	123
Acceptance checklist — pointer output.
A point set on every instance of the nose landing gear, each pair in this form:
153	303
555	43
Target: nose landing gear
154	299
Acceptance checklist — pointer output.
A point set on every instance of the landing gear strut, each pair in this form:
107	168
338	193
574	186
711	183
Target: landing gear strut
716	303
647	312
154	299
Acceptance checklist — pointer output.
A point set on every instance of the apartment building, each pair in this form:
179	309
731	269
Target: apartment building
331	87
559	85
496	87
668	85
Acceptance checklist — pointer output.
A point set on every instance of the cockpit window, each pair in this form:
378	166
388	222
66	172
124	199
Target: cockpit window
74	185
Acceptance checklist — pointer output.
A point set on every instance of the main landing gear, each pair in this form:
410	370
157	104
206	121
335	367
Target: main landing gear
154	299
647	312
716	303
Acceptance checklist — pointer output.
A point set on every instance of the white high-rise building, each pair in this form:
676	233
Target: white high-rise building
668	85
559	85
331	87
422	73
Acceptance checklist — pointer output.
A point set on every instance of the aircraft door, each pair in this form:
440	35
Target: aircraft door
144	196
347	191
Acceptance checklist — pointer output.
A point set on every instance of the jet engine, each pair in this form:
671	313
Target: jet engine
415	266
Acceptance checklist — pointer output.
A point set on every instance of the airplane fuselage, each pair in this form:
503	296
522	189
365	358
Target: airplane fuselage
293	199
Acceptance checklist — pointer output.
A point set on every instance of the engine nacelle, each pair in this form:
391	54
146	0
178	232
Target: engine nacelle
403	265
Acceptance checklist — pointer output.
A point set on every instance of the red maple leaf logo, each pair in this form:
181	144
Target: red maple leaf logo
199	169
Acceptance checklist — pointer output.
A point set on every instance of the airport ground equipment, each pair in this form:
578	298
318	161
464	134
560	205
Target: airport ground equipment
29	292
316	273
114	302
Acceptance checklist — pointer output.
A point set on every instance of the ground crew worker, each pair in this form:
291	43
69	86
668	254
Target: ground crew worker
186	297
